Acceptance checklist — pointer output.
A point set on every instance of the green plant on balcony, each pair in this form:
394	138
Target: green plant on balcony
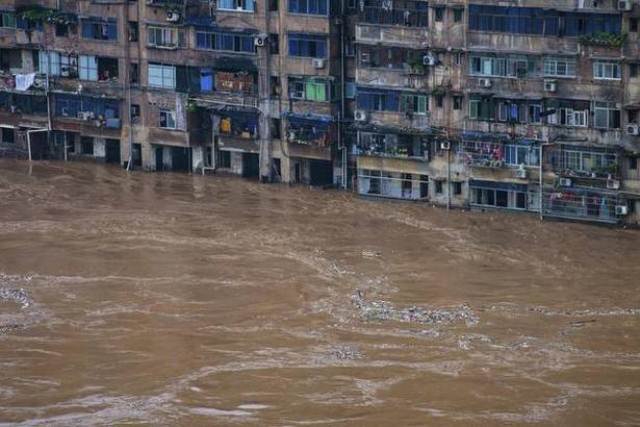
36	14
605	39
439	91
415	65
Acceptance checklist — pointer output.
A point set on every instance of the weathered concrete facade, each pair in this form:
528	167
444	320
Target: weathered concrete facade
531	107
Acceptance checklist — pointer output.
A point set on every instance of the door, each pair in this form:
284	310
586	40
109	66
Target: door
112	151
321	172
159	164
250	165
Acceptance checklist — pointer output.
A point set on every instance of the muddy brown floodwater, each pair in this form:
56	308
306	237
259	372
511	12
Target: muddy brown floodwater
170	299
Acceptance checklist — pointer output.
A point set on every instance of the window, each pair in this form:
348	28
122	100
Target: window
134	73
165	37
317	90
225	41
206	80
457	14
98	29
7	19
607	115
374	100
457	188
439	101
237	5
309	7
633	25
274	44
606	70
416	104
588	161
49	63
510	66
633	163
163	76
307	45
167	119
438	186
224	159
88	68
86	145
135	113
8	136
569	117
480	109
349	48
439	13
633	70
62	30
531	20
520	154
350	90
457	102
559	67
133	31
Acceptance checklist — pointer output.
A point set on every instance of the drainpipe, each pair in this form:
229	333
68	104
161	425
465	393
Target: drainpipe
449	178
343	148
127	83
540	181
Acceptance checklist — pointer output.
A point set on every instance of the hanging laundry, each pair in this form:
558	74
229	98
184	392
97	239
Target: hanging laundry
225	125
25	81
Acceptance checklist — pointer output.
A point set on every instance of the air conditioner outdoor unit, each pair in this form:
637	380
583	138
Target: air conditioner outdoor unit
565	182
624	5
260	40
613	184
445	145
622	210
521	173
173	16
360	116
550	86
632	129
318	63
485	83
428	59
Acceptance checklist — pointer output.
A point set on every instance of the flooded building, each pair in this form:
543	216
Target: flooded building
529	107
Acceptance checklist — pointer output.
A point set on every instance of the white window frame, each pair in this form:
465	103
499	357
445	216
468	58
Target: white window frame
552	65
88	67
606	70
170	119
161	76
164	37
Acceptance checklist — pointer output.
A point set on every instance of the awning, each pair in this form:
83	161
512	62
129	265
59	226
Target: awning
371	127
316	120
201	22
229	63
485	137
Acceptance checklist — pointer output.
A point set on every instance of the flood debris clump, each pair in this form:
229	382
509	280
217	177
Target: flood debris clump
383	311
346	353
18	296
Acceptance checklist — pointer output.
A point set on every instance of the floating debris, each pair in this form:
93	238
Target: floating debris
18	296
382	310
346	353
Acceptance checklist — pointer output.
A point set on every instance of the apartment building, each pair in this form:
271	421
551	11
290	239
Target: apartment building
531	106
